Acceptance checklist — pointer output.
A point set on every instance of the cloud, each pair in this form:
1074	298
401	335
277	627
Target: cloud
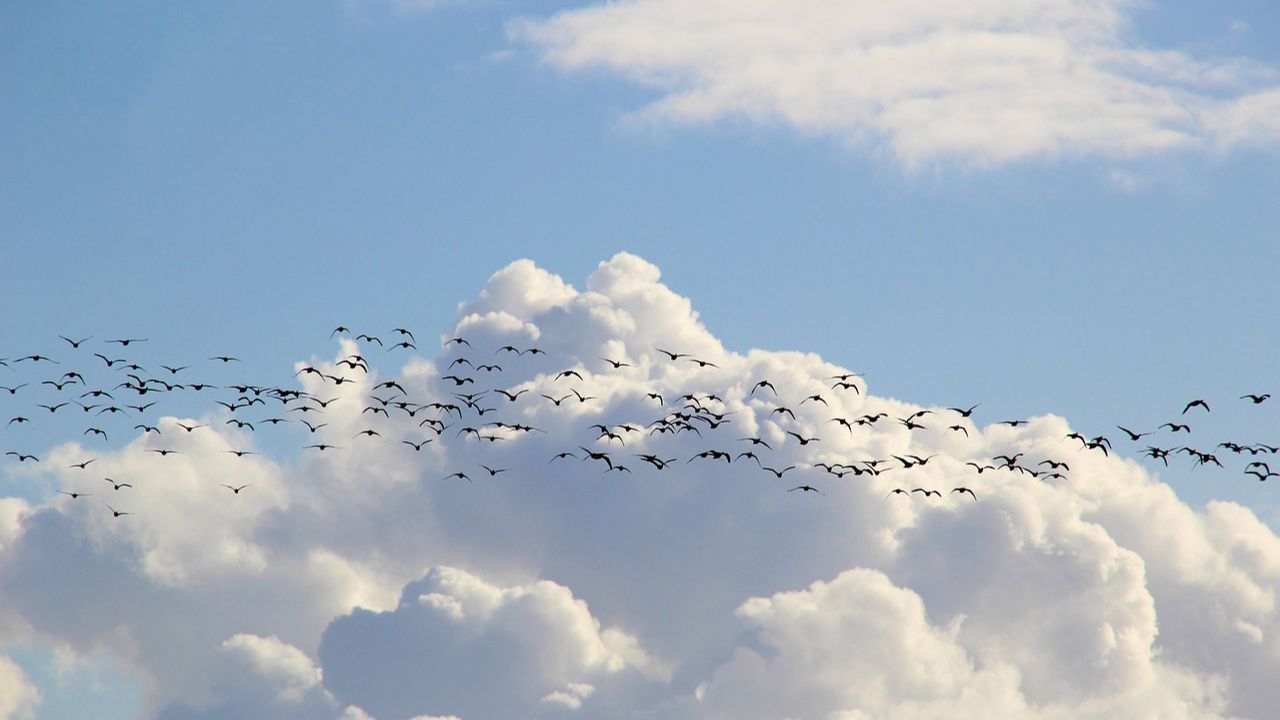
363	582
458	643
971	83
19	698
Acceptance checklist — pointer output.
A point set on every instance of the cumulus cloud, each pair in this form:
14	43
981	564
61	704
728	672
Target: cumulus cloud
977	83
19	698
364	583
458	643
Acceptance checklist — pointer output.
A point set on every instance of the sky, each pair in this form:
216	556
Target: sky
1061	210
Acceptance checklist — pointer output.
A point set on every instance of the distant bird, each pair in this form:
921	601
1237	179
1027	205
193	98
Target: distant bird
321	447
1134	436
673	355
235	489
492	471
458	475
897	491
806	488
927	493
1013	423
82	465
980	468
965	412
1196	403
959	428
1256	399
1175	427
164	453
456	341
963	490
803	440
116	486
23	458
126	342
75	344
417	446
617	364
74	495
512	396
225	359
117	513
779	473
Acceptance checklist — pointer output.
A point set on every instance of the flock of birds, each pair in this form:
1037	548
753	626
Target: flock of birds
116	395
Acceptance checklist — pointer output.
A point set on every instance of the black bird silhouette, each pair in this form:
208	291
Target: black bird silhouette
965	412
673	355
557	401
1175	427
126	342
82	465
762	384
617	364
1196	403
959	428
494	471
927	493
116	486
23	458
13	390
456	340
458	475
568	373
235	490
225	359
963	490
75	344
1256	399
1013	423
1134	436
241	453
803	440
981	468
897	491
417	446
115	512
778	473
806	488
511	396
74	495
164	453
322	447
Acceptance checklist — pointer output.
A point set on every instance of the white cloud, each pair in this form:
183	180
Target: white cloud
457	642
19	698
282	664
360	583
977	83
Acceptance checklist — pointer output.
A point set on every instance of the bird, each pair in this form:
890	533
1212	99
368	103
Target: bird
1134	436
617	364
321	447
164	452
235	489
417	446
1256	399
75	344
965	412
494	471
803	440
567	373
779	473
458	475
116	486
126	342
980	468
959	428
225	359
1196	403
81	465
115	512
762	384
963	490
927	493
23	457
897	491
673	355
806	488
74	495
511	396
1175	427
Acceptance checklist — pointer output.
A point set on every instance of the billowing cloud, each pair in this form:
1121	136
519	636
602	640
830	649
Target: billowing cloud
459	644
978	83
364	581
19	698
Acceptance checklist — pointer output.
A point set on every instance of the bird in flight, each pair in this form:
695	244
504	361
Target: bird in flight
1256	399
116	486
1134	436
963	490
673	355
235	490
115	512
1196	403
74	495
75	344
806	488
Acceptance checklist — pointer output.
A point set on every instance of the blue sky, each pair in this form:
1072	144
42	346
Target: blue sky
241	177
